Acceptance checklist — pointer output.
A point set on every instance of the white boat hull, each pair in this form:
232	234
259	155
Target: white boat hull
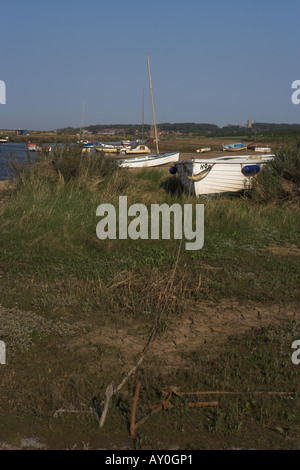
140	149
219	175
38	148
107	150
262	149
149	160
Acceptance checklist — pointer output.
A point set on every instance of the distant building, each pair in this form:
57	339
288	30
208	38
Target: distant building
249	124
164	132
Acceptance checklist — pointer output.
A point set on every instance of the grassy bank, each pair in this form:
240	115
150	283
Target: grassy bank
77	311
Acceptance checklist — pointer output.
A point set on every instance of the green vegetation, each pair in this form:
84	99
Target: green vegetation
76	311
281	179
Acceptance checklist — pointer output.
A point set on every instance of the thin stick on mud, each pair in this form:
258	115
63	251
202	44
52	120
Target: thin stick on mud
108	395
135	399
142	421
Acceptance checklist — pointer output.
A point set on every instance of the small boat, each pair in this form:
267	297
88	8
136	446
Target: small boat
139	149
126	143
4	141
106	148
262	149
88	145
32	147
203	150
219	175
38	148
149	160
234	147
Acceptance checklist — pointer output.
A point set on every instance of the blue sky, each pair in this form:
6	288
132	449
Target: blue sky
211	61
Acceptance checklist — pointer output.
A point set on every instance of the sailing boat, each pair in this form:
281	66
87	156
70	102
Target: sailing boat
87	145
150	160
254	147
81	126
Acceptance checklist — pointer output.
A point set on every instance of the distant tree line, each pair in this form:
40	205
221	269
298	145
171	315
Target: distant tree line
187	128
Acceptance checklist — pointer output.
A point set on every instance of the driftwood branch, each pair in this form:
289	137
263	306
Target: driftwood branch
216	392
164	405
108	395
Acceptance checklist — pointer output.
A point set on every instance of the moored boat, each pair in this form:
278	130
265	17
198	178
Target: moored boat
234	147
38	148
126	143
149	160
139	149
107	148
203	150
219	175
88	145
262	149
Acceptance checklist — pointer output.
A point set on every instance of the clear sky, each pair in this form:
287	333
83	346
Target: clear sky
212	61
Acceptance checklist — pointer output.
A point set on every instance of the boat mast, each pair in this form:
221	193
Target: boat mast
82	122
143	117
155	130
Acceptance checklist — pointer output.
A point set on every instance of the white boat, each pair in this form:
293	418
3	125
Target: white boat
219	175
4	141
126	143
106	148
139	149
203	150
149	160
38	148
262	149
88	145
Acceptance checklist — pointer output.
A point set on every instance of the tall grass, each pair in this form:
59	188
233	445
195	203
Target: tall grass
65	163
280	180
50	218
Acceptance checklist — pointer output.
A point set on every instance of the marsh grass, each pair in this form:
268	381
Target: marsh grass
65	163
51	215
280	180
52	263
